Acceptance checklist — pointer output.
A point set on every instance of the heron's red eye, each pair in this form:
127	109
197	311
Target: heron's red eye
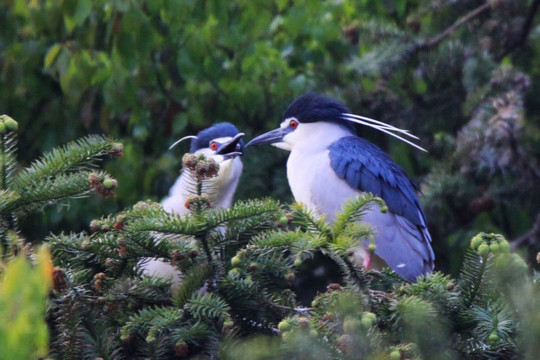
213	145
293	124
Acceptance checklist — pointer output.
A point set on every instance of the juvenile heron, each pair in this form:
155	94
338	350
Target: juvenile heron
328	164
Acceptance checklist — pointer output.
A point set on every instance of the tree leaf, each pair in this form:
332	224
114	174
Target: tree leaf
52	55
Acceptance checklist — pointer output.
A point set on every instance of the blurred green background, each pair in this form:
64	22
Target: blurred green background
460	74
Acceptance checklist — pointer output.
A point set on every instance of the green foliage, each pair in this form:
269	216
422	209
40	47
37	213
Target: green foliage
244	281
457	74
63	173
191	282
59	175
23	305
407	321
208	306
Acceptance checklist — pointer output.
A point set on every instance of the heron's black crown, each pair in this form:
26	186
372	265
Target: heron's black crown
218	130
313	107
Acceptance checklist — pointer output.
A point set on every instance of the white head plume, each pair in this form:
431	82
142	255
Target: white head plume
381	126
182	139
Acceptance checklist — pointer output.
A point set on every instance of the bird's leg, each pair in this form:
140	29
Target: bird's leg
367	260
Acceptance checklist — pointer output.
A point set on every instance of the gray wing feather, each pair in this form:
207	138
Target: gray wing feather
402	238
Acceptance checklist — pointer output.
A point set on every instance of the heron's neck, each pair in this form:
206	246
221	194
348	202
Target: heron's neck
223	187
309	160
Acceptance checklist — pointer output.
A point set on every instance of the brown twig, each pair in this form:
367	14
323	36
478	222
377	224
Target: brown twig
530	237
431	42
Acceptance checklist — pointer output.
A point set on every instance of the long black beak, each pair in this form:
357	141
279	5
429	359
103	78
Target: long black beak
228	149
270	137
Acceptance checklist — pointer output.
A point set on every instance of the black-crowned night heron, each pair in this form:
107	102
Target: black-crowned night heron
328	164
222	142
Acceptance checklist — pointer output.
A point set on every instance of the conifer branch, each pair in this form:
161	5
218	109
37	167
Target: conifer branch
250	304
191	282
167	224
47	191
243	210
7	199
472	281
78	155
209	306
8	147
148	318
196	334
354	273
306	218
354	210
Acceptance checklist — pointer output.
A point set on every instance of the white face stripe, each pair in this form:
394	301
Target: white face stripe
285	123
220	140
209	153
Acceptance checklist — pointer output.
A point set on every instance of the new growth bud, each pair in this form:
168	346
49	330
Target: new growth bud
181	349
289	278
206	169
11	124
189	161
8	123
334	287
351	325
490	243
236	261
284	326
117	150
483	249
344	343
194	202
201	167
102	184
176	256
120	223
59	283
122	246
303	323
493	337
146	205
98	281
110	184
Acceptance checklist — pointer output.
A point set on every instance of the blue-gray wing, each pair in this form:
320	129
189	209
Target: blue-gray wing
402	238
